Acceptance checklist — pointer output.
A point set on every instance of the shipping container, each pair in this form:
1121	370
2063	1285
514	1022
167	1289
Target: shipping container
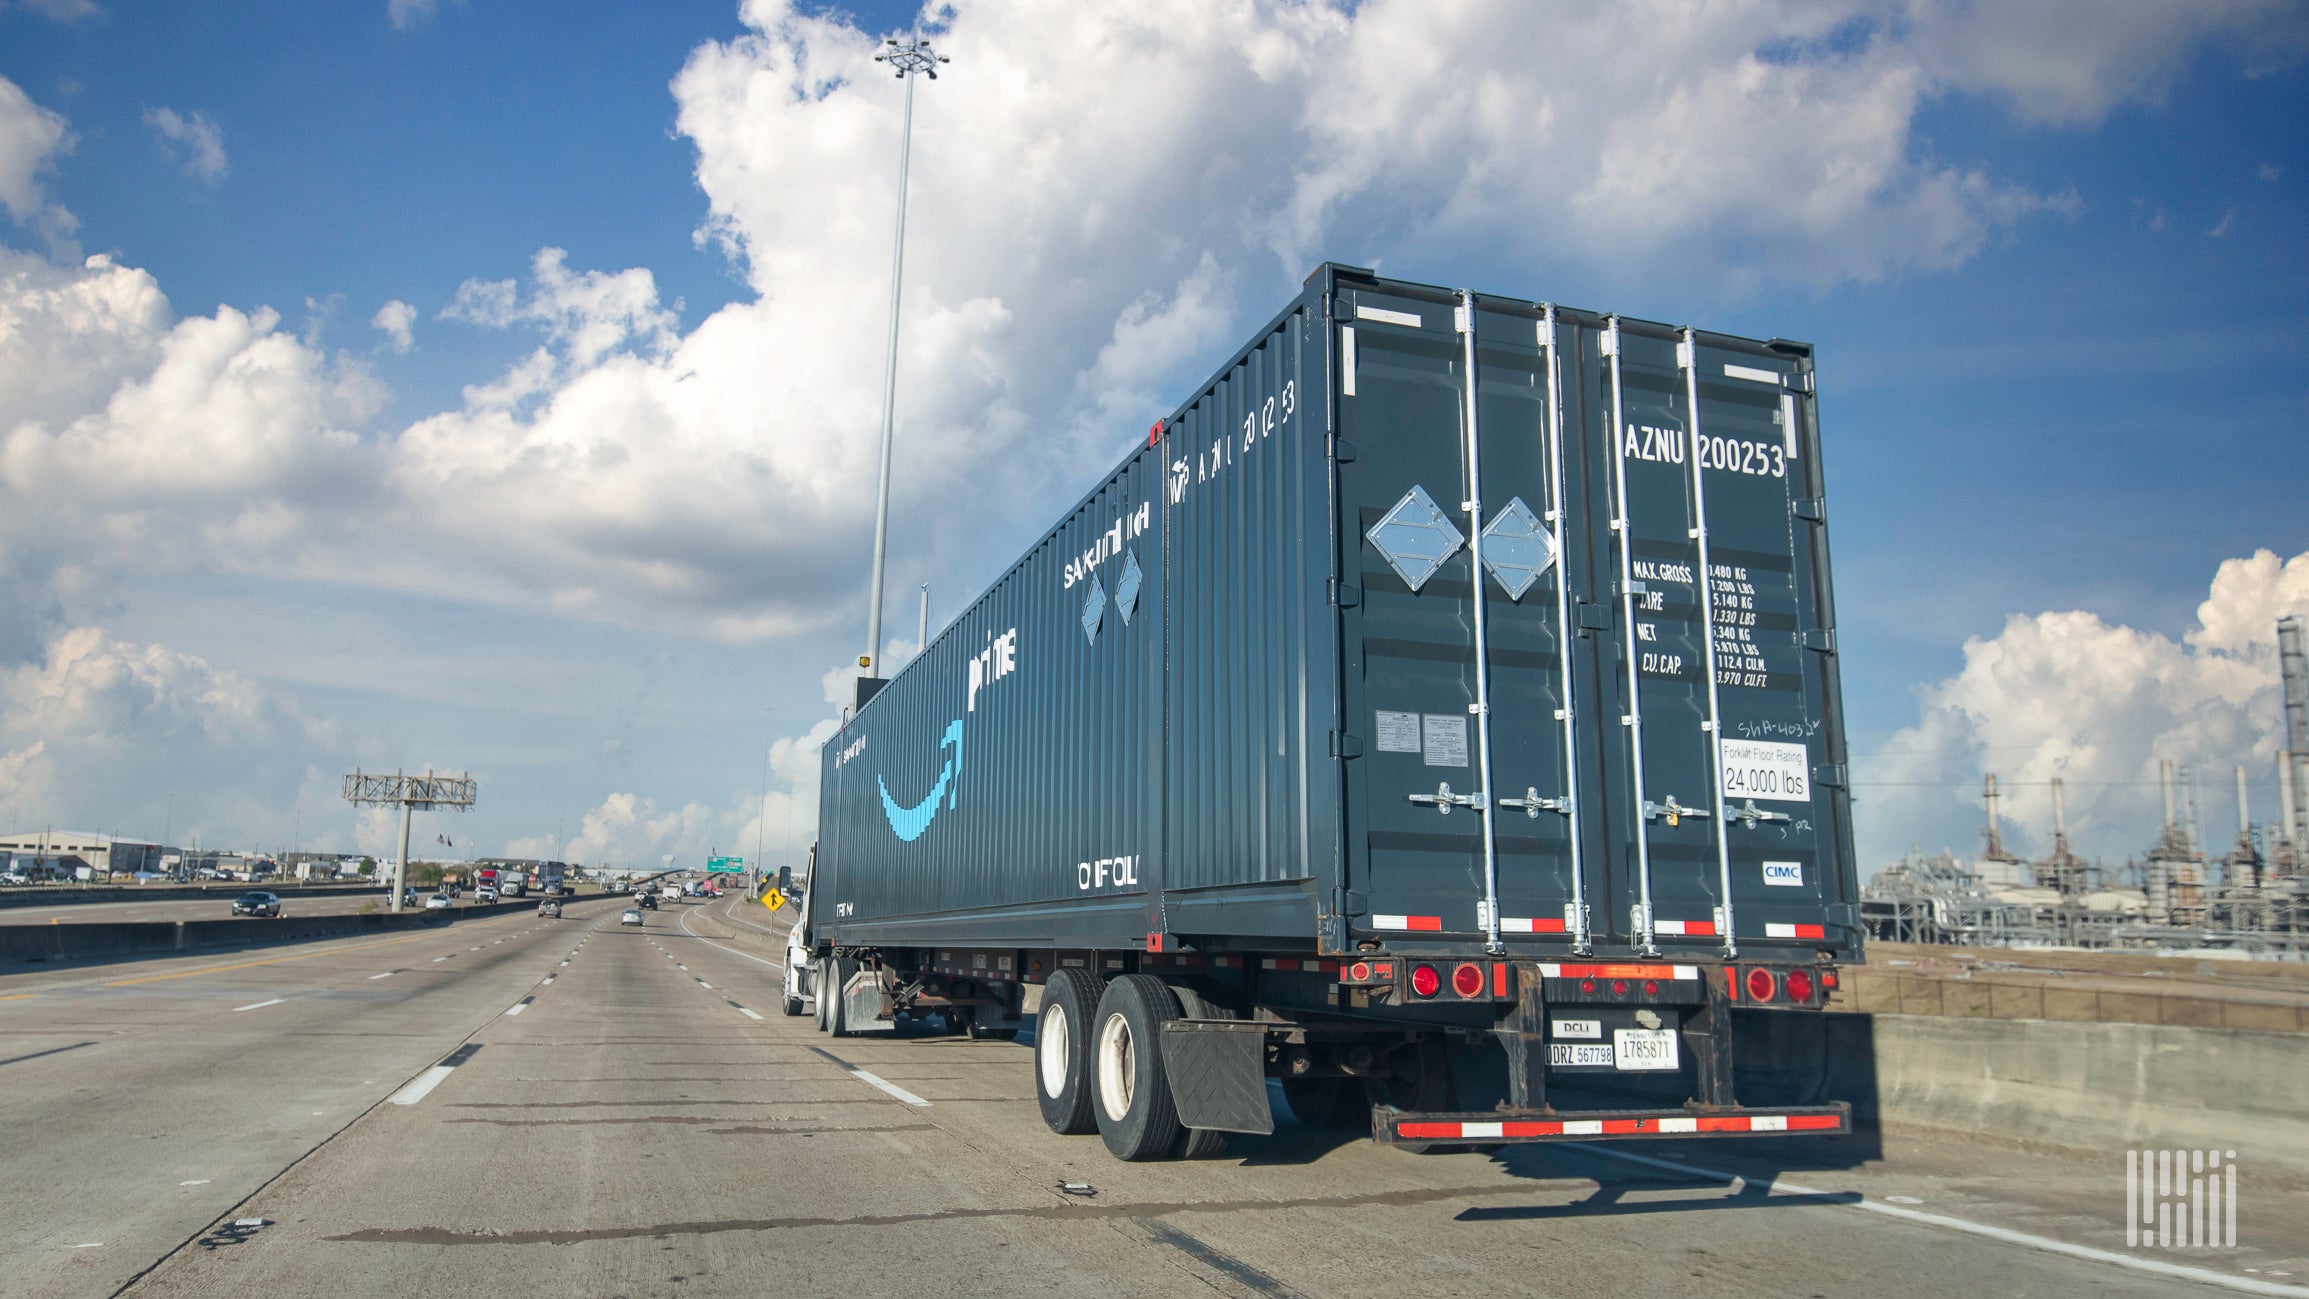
1438	632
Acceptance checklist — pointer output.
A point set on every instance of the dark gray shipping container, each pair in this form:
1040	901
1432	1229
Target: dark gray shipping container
1231	701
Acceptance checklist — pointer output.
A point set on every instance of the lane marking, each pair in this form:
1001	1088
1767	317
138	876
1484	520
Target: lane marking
879	1084
518	1007
438	959
258	1005
198	1181
747	1013
423	1084
278	960
703	984
2004	1234
386	975
94	1244
18	996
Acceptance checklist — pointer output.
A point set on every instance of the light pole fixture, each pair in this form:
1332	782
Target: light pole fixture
905	58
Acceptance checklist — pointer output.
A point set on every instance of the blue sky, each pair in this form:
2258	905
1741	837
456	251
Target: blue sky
599	534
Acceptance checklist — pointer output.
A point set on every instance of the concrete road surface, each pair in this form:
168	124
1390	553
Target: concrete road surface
643	1121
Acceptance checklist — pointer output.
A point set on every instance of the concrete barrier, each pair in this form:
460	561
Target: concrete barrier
2099	1087
50	944
93	894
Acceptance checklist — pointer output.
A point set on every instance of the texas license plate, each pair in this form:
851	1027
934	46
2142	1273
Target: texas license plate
1644	1048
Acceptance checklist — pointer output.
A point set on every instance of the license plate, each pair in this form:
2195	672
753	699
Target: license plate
1579	1055
1644	1048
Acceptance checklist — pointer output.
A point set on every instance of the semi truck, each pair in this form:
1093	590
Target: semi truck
1437	713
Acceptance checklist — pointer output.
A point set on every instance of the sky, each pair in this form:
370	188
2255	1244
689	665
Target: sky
494	386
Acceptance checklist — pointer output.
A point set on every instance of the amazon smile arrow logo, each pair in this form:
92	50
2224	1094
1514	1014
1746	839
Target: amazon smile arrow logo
908	823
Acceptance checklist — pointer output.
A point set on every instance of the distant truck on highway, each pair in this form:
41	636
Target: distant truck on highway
1438	713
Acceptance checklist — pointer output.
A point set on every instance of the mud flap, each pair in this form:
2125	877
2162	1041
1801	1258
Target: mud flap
1218	1074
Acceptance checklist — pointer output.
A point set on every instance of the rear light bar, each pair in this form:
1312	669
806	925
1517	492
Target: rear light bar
1415	980
1393	1128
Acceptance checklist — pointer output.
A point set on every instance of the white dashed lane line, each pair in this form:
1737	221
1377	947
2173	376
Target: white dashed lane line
421	1086
386	975
258	1005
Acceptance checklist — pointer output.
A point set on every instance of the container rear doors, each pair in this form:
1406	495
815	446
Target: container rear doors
1715	701
1462	802
1637	769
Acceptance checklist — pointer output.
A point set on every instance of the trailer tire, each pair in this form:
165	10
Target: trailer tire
1420	1085
1132	1091
1062	1046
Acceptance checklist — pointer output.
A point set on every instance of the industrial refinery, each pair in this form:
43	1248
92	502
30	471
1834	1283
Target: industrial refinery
2249	897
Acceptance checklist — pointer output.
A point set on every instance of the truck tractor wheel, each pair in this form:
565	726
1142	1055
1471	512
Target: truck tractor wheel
1062	1042
1336	1103
820	1001
1131	1089
792	1004
837	1022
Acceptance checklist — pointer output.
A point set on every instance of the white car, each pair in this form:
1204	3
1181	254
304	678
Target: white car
631	916
439	902
485	894
11	877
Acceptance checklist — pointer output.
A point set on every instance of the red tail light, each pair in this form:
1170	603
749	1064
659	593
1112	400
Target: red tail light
1651	987
1761	985
1799	986
1425	981
1619	987
1360	971
1467	981
1587	985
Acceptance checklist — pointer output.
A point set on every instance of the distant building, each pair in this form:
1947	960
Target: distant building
70	849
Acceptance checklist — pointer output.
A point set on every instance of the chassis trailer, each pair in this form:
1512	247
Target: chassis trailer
1440	707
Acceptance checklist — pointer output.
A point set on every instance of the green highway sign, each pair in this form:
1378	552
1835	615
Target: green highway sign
725	865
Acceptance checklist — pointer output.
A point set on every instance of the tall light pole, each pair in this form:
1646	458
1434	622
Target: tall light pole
906	58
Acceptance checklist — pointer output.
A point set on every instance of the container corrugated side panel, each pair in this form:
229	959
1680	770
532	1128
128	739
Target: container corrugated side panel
1042	828
1247	518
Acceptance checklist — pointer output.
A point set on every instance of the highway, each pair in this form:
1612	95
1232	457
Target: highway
519	1106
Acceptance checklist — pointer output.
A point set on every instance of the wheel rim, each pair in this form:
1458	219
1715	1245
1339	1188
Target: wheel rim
1053	1047
1117	1072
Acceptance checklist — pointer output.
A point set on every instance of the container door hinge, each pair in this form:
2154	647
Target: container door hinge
1834	776
1821	640
1801	381
1352	903
1344	745
1809	508
1344	596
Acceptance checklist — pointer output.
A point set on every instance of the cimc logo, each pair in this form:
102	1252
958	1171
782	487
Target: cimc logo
2180	1199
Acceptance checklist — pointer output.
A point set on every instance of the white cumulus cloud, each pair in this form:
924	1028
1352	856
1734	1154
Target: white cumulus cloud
2100	706
30	139
194	140
396	319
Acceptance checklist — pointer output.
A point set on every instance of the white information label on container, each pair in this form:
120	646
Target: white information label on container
1590	1029
1398	732
1765	770
1446	736
1786	874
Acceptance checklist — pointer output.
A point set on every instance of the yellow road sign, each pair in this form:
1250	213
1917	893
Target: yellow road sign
773	899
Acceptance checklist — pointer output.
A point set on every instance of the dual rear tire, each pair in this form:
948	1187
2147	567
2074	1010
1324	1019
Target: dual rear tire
1098	1066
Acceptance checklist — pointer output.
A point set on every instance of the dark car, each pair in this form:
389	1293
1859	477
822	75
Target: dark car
257	904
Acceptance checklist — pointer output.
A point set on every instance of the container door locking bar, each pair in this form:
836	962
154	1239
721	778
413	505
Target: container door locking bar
1443	800
1672	811
1749	814
1532	804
